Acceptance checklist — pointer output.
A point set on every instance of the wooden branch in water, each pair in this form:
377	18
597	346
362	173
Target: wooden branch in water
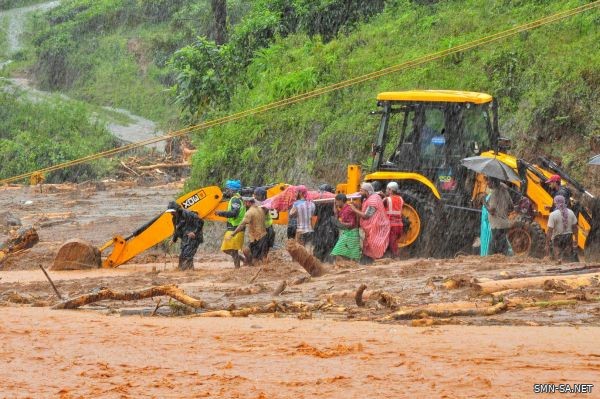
280	288
253	279
51	283
490	287
446	310
162	290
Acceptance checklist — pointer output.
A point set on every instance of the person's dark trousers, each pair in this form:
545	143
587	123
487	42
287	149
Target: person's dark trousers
271	236
499	243
291	228
563	248
188	250
257	250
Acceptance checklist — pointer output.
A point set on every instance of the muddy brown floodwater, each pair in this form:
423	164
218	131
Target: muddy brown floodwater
73	354
547	333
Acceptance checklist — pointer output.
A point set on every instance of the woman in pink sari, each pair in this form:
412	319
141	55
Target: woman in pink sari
374	222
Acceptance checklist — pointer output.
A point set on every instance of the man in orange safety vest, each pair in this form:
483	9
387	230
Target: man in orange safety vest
393	205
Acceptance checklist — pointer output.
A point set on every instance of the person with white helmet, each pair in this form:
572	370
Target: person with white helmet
393	205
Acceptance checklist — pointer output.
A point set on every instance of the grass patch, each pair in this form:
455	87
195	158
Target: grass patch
35	134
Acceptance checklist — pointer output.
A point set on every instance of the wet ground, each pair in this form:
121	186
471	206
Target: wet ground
316	342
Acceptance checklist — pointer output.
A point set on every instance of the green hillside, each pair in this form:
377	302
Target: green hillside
547	82
158	59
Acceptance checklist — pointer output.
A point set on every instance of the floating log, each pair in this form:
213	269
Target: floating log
216	313
25	239
77	254
162	290
312	265
490	287
570	283
446	310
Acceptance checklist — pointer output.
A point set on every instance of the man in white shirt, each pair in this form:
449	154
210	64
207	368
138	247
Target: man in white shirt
562	230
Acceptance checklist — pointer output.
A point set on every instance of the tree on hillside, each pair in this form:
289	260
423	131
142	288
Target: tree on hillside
219	9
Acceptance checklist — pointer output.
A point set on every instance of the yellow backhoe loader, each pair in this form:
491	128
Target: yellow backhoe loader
422	137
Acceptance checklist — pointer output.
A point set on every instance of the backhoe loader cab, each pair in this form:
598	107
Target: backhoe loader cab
430	131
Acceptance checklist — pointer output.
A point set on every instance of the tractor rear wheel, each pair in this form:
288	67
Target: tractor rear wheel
419	219
592	245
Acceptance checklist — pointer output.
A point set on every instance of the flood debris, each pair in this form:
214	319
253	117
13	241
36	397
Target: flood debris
23	239
456	282
77	254
388	300
301	280
9	221
446	310
358	298
51	282
490	287
312	265
105	294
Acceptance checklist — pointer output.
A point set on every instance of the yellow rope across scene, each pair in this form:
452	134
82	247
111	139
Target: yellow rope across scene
317	92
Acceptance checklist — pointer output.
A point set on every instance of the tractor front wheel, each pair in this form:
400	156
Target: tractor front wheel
419	218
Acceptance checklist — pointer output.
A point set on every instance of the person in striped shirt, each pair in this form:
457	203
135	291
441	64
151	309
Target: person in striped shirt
303	210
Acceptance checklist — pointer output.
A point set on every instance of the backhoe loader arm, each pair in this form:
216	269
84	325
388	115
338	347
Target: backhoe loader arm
205	202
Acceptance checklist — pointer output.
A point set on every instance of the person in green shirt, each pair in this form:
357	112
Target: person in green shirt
233	243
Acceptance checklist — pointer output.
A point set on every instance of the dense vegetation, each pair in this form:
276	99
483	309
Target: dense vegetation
127	53
36	134
8	4
546	80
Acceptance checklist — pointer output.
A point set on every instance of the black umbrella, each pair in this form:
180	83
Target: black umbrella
595	160
491	167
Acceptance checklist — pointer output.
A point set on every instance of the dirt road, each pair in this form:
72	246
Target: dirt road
136	129
80	354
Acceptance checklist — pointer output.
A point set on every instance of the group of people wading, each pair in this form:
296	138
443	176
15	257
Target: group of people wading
359	229
335	235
